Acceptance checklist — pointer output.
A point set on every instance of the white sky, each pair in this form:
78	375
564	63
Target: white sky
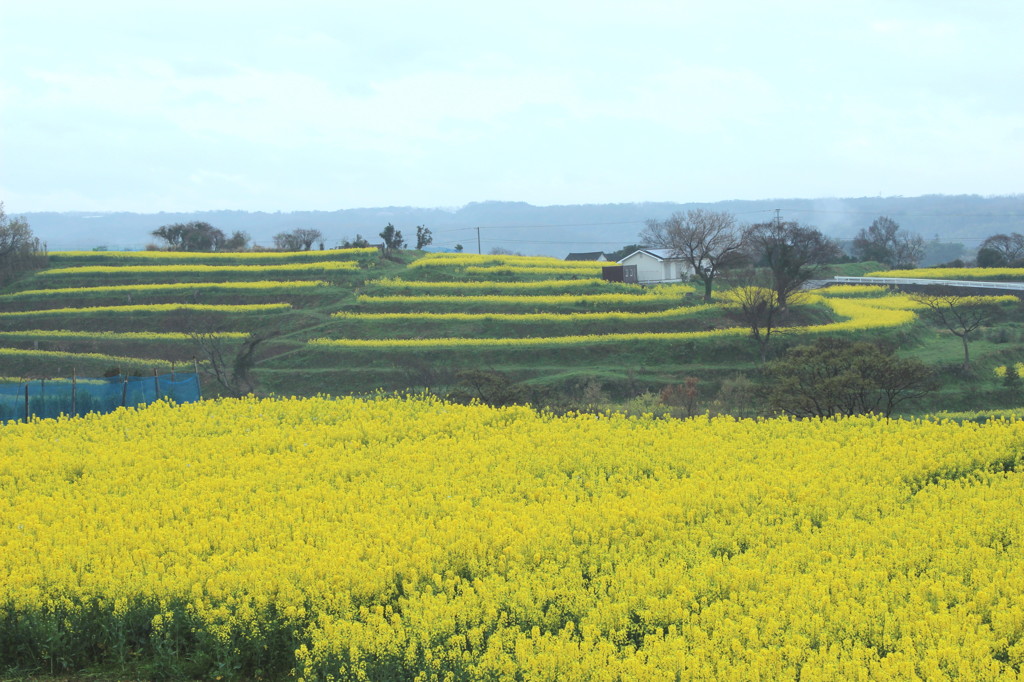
179	106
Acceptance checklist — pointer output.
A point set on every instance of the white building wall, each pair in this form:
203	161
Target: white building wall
648	268
651	269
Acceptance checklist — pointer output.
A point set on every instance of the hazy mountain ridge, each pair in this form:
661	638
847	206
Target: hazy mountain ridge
549	230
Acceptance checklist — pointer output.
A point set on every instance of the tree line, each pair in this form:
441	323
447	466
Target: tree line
767	263
202	236
711	243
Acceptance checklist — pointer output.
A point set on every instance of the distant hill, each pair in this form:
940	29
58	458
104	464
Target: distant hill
550	230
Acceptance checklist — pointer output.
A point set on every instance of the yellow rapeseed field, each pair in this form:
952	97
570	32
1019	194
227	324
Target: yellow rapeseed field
661	293
154	308
68	356
394	283
537	317
412	539
128	336
191	268
261	285
855	290
461	260
195	256
995	274
856	314
582	268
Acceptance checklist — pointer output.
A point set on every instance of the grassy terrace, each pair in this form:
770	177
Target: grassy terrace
419	322
91	306
66	258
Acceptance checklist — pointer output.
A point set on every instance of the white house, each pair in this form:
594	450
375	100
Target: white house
654	266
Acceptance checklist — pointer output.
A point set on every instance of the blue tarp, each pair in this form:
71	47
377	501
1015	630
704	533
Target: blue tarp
50	398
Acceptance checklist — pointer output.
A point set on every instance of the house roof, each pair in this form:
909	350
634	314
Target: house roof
658	254
589	255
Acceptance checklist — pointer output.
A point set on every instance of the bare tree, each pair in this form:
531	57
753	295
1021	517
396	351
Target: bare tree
908	251
707	241
1002	250
792	252
900	380
961	315
231	365
882	241
837	376
759	310
19	249
299	239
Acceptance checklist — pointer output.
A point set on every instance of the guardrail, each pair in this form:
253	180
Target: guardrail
1012	286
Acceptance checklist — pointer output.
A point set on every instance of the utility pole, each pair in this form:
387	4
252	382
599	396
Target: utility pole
478	241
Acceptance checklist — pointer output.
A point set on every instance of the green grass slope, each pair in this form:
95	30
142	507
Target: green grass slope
94	312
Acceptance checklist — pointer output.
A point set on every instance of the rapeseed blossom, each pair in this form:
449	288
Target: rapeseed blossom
261	285
585	269
995	274
564	284
63	355
154	308
473	259
614	316
1002	370
414	539
127	336
855	290
859	314
196	256
192	268
668	292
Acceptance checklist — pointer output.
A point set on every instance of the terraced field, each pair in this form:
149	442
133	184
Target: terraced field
348	321
93	312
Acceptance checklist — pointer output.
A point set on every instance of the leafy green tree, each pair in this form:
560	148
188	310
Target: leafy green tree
238	241
423	236
191	236
615	256
392	238
358	243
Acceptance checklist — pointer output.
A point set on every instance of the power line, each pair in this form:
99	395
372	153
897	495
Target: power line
527	227
902	214
574	241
